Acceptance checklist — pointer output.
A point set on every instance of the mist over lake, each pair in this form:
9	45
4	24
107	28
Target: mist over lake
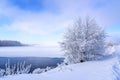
30	51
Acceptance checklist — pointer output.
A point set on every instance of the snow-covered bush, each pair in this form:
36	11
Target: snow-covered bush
2	71
40	70
83	41
47	69
8	68
60	66
20	68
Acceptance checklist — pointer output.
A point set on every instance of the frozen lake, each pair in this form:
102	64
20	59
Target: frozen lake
27	51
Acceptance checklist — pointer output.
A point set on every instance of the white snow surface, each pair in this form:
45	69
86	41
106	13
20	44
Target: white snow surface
91	70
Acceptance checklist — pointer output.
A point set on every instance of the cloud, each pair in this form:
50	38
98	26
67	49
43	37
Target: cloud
53	16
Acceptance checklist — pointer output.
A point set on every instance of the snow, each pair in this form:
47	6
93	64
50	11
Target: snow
117	51
91	70
110	50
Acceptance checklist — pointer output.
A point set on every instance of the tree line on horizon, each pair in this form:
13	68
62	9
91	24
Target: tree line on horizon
10	43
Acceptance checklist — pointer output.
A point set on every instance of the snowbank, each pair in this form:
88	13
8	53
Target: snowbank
92	70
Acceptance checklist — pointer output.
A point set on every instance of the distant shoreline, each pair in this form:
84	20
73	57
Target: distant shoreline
16	46
11	43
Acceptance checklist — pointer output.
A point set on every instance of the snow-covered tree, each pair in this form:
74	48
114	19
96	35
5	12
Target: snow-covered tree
83	41
13	69
7	68
22	68
2	72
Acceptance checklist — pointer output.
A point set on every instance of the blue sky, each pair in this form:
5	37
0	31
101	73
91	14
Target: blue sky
44	21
